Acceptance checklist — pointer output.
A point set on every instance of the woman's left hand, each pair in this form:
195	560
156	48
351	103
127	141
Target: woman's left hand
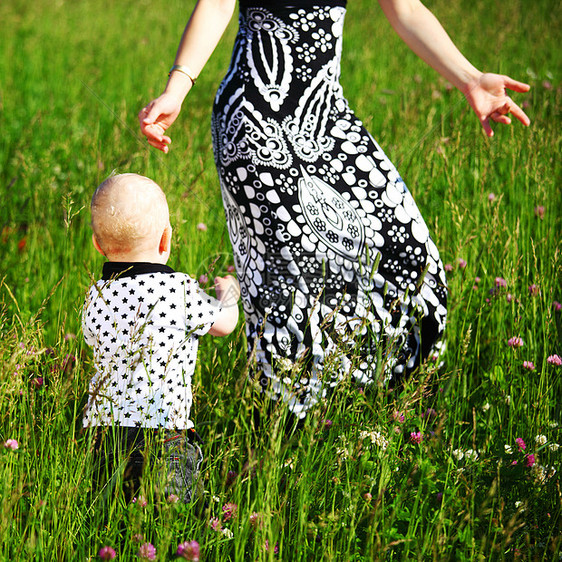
489	100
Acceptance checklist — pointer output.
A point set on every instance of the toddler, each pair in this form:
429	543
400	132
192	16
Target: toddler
143	321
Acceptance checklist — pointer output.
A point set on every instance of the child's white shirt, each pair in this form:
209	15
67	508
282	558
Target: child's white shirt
143	321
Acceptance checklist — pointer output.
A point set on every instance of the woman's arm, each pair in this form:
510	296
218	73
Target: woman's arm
200	37
423	33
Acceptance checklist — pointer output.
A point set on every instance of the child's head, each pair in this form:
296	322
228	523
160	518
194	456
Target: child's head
130	219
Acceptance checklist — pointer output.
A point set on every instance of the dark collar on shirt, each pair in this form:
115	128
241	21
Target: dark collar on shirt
114	269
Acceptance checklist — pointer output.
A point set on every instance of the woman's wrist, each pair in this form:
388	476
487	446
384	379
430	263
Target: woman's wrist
178	85
469	81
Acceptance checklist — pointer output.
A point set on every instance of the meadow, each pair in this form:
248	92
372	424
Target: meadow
461	463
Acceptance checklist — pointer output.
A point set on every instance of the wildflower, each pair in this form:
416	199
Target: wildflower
416	437
147	551
508	399
539	212
557	306
229	511
172	498
231	477
521	444
530	460
141	501
509	297
500	282
11	444
554	360
518	504
256	520
491	197
458	454
215	524
429	413
533	289
398	416
508	450
203	279
69	336
189	550
275	548
553	447
461	263
37	382
486	407
107	553
528	365
138	538
477	280
327	423
515	342
471	455
367	496
439	497
201	226
540	439
227	533
376	438
448	267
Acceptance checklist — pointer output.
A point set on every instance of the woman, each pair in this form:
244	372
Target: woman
338	272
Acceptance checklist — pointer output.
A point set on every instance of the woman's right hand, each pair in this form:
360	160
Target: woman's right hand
156	117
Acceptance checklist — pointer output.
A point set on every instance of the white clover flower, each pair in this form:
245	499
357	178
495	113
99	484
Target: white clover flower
553	425
227	533
376	438
508	399
290	463
540	439
471	455
508	450
458	454
216	499
554	447
539	473
486	407
342	452
519	504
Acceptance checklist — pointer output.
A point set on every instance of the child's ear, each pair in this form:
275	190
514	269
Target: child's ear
166	241
96	245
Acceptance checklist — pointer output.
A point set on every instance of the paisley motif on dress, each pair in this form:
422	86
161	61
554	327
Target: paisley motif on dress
339	275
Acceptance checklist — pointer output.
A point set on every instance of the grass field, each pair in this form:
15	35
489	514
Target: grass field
462	464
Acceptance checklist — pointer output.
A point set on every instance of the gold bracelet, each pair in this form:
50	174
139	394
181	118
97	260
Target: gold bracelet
184	70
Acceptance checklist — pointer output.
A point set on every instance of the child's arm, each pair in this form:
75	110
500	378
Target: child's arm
228	292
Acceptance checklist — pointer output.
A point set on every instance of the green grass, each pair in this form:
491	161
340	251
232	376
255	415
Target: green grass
72	77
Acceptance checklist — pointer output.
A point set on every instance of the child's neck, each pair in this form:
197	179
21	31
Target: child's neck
132	257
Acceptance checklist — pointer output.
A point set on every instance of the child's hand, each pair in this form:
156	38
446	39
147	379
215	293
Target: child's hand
227	289
228	292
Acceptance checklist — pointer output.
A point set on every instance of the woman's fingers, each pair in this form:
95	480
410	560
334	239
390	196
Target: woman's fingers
519	114
515	85
500	118
486	126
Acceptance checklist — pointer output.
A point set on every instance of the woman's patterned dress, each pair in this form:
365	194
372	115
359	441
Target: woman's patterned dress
338	272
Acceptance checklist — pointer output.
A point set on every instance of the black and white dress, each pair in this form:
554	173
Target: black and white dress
338	272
